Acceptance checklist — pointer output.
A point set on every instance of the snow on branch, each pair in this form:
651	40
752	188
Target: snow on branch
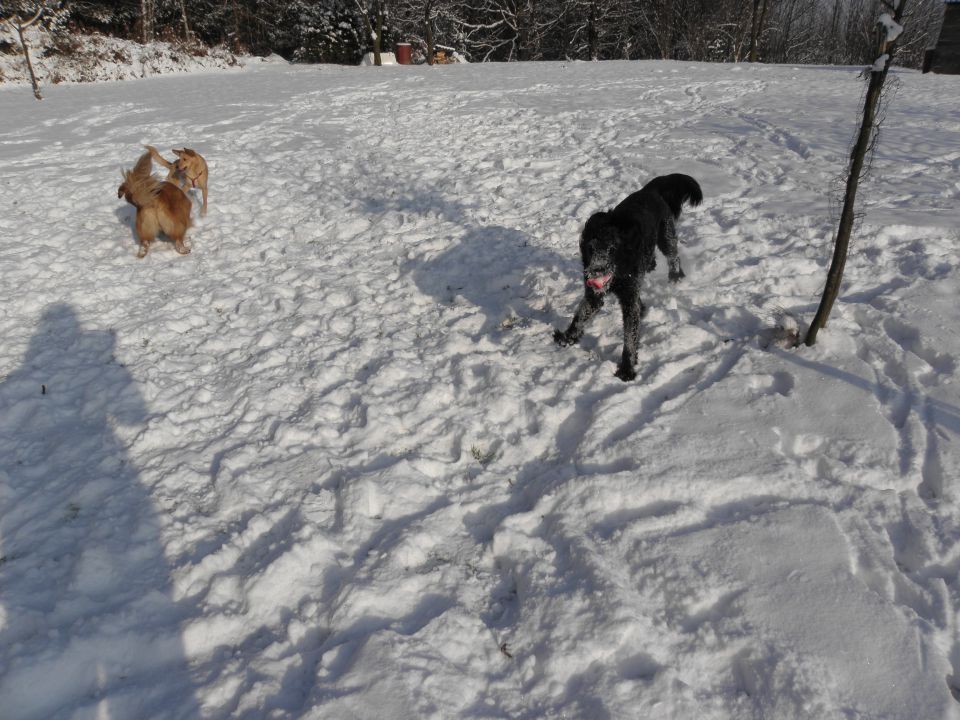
892	27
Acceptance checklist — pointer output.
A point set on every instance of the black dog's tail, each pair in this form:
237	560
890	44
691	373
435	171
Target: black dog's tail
676	189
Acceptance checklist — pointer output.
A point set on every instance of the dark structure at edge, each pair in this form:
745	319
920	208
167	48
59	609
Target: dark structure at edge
945	57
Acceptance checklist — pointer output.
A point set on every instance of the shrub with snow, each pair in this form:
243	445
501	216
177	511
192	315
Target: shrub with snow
70	57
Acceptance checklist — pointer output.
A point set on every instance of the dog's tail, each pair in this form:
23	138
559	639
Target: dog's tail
139	186
158	157
676	189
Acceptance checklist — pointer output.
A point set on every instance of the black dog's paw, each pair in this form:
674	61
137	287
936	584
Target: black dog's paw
563	339
676	276
626	373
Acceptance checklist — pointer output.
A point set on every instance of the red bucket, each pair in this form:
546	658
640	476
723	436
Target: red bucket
404	51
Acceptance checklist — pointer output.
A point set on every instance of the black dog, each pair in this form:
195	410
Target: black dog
617	248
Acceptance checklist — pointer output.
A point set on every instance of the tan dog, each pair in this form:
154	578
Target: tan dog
161	206
189	169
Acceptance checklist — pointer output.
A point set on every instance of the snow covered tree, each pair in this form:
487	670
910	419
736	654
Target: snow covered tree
803	31
377	20
330	32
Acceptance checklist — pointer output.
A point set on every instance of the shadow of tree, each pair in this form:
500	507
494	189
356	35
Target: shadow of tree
934	413
88	626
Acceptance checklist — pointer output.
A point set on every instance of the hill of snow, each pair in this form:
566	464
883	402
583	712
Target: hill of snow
331	465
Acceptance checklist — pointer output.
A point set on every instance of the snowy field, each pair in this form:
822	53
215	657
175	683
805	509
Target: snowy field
331	465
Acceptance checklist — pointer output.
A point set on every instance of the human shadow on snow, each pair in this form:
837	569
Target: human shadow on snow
91	627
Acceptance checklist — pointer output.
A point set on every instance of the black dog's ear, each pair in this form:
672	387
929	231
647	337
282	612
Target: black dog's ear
601	231
595	225
598	236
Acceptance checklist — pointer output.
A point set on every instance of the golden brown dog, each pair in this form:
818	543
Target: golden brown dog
161	206
189	169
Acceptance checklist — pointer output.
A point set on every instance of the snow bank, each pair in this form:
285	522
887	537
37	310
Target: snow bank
89	58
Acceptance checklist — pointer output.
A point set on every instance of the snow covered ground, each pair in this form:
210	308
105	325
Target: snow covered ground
330	464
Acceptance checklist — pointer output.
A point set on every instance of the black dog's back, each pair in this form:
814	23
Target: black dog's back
618	249
674	190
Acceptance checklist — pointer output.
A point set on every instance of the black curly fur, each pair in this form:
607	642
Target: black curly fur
618	249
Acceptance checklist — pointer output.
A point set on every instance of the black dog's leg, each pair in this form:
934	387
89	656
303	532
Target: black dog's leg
632	308
667	242
585	310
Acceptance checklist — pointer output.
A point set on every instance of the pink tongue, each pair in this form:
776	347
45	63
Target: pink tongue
598	282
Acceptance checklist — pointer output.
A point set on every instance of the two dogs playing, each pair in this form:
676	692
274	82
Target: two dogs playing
619	247
163	206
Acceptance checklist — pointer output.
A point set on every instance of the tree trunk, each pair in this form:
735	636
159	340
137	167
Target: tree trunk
857	161
764	6
21	26
756	27
373	34
187	35
378	37
238	45
428	30
665	30
147	20
593	34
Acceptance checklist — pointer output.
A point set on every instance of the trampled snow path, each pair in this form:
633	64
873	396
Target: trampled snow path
330	465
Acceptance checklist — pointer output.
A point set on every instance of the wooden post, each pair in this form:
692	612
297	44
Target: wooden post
20	27
865	136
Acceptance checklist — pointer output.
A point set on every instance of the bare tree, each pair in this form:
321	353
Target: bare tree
508	29
660	20
21	25
728	31
889	30
757	21
592	29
